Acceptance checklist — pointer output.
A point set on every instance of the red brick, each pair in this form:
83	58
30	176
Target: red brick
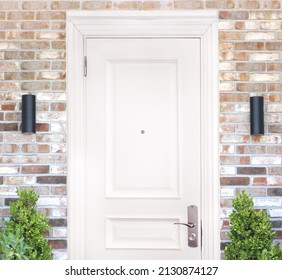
8	127
35	169
52	180
259	181
251	170
233	15
274	87
58	244
251	87
234	181
255	149
8	106
234	159
249	46
274	66
42	127
274	192
246	66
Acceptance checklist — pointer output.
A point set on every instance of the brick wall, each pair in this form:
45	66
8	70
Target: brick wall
32	59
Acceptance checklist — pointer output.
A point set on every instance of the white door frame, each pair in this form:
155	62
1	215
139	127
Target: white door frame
200	24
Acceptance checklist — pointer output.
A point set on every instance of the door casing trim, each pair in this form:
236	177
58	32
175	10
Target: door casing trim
119	24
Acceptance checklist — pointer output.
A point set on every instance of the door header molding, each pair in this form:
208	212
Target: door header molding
149	24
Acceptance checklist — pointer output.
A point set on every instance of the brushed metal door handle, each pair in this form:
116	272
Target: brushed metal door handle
190	225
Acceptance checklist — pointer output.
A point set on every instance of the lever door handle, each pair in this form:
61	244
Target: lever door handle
189	225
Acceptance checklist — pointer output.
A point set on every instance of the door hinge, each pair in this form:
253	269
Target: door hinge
201	239
85	66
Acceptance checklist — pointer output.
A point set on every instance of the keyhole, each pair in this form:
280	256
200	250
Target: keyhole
142	131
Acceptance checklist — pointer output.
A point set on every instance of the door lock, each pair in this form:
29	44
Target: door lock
192	228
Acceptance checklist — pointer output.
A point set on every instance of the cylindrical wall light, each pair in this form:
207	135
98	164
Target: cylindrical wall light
257	115
28	114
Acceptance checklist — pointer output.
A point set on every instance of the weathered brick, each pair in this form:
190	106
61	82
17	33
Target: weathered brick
274	181
52	180
51	75
20	35
273	4
223	4
65	5
227	170
264	56
249	46
58	190
274	191
35	65
234	160
42	127
19	55
274	87
8	127
253	87
58	222
50	35
266	160
99	5
9	25
157	5
57	45
234	138
264	77
254	191
252	4
274	66
8	86
19	15
259	181
58	65
245	66
267	139
58	243
9	148
35	85
251	170
51	55
275	128
58	106
19	180
35	169
182	5
8	106
234	181
34	5
35	148
259	36
233	15
19	76
59	86
51	15
13	116
35	45
274	149
52	201
35	25
8	65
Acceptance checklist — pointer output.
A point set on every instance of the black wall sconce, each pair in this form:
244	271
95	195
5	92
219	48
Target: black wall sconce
28	114
257	115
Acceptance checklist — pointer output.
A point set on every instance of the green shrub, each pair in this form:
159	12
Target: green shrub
31	224
250	233
12	246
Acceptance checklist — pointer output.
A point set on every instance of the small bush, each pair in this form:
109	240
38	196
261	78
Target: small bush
30	224
250	233
12	246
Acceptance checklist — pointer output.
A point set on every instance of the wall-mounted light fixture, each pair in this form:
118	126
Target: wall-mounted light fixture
257	115
28	114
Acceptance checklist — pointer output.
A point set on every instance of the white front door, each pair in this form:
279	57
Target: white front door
142	147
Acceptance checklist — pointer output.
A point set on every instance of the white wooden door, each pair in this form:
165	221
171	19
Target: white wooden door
142	147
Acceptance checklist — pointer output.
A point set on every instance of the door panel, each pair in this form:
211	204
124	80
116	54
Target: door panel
143	147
